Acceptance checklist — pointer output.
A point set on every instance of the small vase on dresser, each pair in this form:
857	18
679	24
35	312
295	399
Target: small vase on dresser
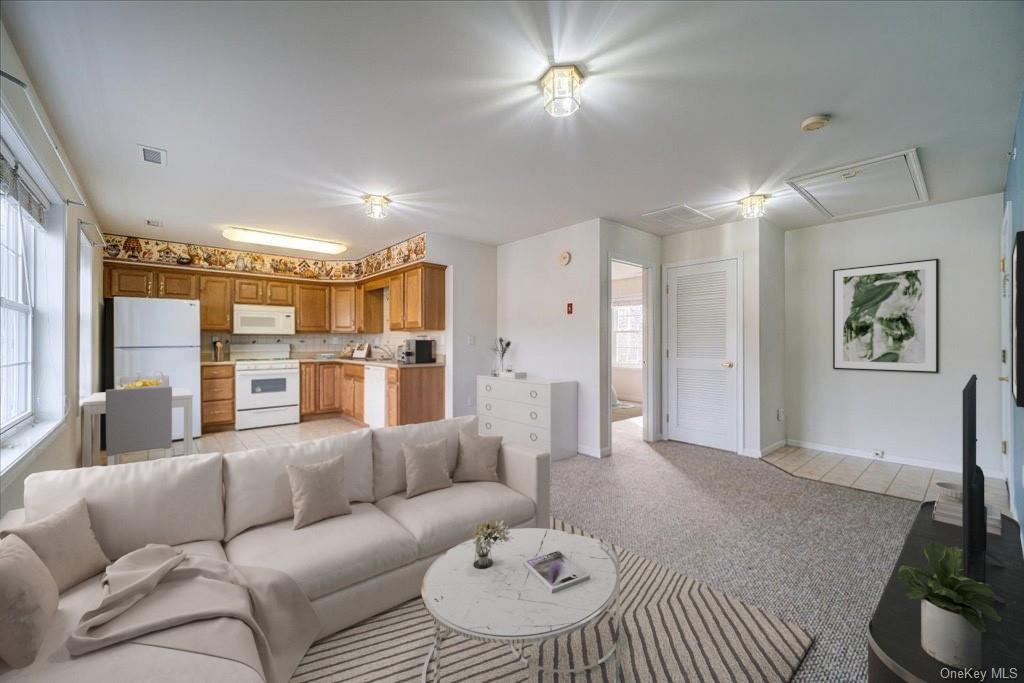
535	412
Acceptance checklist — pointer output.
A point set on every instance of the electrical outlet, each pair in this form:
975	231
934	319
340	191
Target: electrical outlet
471	340
780	414
878	453
469	401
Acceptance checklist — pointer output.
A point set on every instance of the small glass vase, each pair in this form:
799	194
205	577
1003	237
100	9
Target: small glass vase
483	557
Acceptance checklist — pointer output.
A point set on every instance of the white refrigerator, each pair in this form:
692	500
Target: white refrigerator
160	336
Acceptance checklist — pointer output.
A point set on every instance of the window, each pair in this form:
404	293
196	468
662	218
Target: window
21	216
627	334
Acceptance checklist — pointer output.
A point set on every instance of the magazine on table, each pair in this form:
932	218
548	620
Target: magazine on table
556	571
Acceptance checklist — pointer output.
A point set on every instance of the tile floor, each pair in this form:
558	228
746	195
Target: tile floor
225	442
877	476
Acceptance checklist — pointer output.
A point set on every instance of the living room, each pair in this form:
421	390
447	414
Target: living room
359	308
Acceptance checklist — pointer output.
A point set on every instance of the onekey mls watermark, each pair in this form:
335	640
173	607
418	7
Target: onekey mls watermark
994	673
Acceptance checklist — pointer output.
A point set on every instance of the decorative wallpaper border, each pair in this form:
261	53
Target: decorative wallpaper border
184	255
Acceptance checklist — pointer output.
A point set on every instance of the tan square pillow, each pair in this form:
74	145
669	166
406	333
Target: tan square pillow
426	467
28	601
64	541
318	491
478	458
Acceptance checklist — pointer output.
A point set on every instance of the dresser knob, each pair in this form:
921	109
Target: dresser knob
487	424
533	414
487	406
533	394
533	437
487	387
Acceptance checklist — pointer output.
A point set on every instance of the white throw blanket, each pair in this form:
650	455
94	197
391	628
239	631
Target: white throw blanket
163	597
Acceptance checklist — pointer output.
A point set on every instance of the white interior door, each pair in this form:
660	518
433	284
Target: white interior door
702	373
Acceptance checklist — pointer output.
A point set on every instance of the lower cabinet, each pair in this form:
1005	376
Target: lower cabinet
414	394
330	397
308	388
217	397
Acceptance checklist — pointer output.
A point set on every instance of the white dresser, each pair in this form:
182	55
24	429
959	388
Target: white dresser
534	412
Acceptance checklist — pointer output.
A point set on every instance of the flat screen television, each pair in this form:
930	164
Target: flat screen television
973	487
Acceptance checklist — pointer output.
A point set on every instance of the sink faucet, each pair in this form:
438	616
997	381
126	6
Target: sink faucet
388	353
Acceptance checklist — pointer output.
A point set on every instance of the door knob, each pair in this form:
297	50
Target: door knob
728	364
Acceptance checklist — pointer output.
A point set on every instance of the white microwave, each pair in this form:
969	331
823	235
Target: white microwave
253	319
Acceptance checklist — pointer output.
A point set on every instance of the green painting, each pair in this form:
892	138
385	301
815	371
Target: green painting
886	317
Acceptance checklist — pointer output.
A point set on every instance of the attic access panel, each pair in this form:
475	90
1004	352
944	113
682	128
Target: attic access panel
888	182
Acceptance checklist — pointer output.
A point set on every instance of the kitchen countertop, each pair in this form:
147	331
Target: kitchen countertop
354	361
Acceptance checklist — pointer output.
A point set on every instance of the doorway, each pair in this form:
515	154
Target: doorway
703	347
627	343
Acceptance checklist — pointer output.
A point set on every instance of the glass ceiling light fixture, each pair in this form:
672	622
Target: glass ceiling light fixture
561	86
376	205
753	206
274	239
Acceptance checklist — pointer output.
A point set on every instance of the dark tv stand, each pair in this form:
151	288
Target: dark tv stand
894	633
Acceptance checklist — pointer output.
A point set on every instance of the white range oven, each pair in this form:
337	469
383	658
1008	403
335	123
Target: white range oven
266	389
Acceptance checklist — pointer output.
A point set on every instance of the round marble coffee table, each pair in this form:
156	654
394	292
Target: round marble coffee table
508	603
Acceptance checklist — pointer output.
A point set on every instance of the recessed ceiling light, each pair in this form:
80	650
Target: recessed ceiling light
561	86
376	205
274	239
753	206
816	122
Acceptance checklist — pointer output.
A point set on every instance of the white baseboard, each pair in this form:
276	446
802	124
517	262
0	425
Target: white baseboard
749	452
774	447
899	460
593	451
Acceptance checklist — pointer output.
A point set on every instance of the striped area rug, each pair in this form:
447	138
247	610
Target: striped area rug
674	629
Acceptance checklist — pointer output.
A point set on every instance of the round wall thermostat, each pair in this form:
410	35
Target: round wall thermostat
564	258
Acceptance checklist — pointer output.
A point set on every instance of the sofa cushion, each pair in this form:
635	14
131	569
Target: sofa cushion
256	486
388	462
442	519
478	457
330	555
171	500
318	491
28	600
65	543
426	467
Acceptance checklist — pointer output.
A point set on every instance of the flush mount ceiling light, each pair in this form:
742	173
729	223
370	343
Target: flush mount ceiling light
273	239
561	87
816	122
753	206
376	205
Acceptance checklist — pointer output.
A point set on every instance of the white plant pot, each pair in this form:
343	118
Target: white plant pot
948	637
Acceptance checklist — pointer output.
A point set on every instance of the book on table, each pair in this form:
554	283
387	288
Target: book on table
555	571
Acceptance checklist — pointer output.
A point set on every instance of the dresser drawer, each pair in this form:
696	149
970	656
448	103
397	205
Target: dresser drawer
514	390
513	432
523	413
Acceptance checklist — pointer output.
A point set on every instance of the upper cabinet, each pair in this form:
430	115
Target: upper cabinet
269	292
128	281
312	308
248	290
176	285
343	309
277	293
417	298
215	303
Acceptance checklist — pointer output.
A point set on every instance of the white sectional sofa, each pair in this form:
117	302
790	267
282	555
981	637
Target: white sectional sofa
237	506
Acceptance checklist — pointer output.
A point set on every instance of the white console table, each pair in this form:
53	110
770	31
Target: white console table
95	405
531	411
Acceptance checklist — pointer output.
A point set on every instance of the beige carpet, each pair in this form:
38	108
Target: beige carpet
675	629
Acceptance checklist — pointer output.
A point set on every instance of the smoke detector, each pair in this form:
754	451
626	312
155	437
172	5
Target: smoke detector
816	122
151	223
153	155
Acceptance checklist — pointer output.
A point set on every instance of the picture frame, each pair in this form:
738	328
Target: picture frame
1017	320
886	317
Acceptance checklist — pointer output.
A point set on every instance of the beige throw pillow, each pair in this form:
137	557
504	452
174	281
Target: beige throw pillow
64	541
478	457
28	601
318	491
426	467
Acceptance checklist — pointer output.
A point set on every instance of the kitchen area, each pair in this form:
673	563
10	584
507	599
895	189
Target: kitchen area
277	351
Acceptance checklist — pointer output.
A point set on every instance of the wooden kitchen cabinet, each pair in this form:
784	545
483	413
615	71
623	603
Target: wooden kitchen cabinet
417	298
352	390
392	397
126	281
217	397
312	310
176	285
215	303
308	388
358	389
277	293
396	305
330	394
343	309
248	290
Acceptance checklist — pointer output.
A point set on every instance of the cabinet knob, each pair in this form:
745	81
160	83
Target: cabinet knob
533	414
487	424
487	387
533	393
533	437
487	406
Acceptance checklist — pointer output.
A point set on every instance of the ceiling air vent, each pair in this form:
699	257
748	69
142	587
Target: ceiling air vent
889	182
680	216
153	155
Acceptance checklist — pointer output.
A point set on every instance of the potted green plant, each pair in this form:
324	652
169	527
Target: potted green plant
953	607
485	536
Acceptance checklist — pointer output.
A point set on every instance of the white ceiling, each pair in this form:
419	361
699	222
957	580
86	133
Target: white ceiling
280	116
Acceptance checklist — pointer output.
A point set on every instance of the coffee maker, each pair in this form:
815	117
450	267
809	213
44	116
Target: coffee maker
418	351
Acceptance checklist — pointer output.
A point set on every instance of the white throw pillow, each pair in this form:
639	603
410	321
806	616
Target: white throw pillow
426	467
388	462
318	491
28	601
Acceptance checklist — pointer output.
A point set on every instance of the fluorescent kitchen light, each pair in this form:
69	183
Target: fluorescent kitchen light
273	239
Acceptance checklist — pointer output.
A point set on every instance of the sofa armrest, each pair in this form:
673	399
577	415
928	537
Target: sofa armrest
528	471
13	518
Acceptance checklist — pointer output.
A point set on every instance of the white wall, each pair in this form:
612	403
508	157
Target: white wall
727	241
914	417
471	319
772	311
533	289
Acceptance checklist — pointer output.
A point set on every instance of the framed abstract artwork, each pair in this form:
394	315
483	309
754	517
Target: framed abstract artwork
1017	319
887	317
